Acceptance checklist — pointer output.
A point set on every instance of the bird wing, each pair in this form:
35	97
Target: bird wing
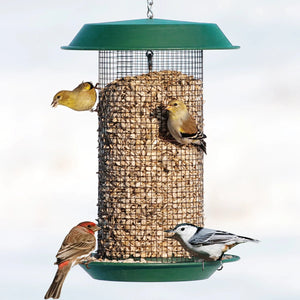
199	135
83	87
188	127
79	88
76	243
209	236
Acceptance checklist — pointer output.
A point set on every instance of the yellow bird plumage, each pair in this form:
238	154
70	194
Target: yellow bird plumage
182	125
83	97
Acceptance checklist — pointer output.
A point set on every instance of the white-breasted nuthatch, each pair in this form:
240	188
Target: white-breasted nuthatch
206	244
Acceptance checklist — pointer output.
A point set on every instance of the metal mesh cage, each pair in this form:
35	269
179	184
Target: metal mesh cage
147	182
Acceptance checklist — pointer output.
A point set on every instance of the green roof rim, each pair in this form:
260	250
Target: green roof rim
155	34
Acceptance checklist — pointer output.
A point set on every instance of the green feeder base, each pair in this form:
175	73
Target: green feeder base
154	271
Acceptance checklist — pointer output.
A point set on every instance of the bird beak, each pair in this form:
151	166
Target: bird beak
168	107
54	103
97	228
170	231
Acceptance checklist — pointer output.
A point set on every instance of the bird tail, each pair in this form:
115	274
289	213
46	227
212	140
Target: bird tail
202	146
245	239
59	278
198	139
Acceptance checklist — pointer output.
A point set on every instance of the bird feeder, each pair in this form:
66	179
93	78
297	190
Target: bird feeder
147	182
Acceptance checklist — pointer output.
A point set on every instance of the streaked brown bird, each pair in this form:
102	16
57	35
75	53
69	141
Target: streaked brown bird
82	98
80	241
183	127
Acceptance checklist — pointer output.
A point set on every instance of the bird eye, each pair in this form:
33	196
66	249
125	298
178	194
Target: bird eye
182	229
89	226
58	96
175	104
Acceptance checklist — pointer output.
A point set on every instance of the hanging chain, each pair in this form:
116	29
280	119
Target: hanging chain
149	7
149	53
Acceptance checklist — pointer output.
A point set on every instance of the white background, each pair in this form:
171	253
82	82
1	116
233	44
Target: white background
48	157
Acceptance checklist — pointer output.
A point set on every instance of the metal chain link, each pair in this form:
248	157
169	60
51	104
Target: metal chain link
149	7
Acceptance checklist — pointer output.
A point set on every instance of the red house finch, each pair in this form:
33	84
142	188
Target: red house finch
79	241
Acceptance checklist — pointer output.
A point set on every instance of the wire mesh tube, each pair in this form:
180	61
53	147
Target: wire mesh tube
147	182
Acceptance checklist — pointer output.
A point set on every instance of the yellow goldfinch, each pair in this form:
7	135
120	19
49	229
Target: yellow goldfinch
182	125
83	97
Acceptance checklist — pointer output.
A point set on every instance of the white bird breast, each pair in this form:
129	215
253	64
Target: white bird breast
213	251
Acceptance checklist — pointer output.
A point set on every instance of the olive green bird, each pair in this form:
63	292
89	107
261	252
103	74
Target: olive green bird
83	97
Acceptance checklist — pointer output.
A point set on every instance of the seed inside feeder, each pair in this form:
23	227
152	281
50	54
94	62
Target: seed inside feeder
147	181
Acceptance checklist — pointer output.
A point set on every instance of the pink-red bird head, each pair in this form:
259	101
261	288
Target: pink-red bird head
90	226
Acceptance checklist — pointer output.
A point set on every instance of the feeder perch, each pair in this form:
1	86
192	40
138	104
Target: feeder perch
147	182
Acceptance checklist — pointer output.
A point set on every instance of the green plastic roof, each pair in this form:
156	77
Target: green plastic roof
154	34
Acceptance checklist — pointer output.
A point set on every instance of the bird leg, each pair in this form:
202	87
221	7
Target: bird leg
87	264
97	86
200	260
221	260
84	260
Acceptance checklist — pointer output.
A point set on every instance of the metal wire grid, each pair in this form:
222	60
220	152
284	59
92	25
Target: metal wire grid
140	194
118	64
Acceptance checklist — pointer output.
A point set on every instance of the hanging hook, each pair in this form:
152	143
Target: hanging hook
149	55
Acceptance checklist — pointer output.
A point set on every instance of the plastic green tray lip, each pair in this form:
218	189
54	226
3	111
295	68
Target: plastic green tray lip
153	272
154	34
